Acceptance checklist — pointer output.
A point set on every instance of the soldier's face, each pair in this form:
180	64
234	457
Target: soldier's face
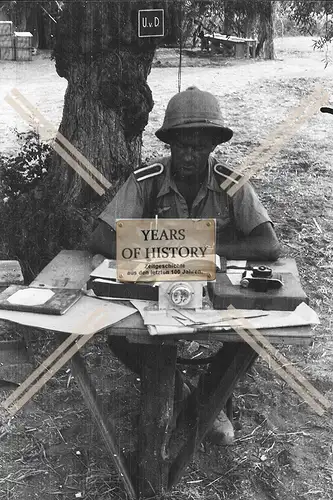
190	149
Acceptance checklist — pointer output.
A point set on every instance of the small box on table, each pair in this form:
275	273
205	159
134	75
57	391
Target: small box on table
224	292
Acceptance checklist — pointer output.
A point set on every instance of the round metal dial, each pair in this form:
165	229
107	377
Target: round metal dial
181	295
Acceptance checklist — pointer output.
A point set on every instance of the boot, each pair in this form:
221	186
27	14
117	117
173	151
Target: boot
222	431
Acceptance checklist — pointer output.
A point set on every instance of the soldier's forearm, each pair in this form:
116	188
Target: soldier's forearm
249	249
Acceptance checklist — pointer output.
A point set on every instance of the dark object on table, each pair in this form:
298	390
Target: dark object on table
108	288
223	293
59	303
261	279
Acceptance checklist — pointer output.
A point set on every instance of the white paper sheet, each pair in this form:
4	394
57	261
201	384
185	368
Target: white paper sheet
235	275
107	269
303	315
188	317
31	297
87	316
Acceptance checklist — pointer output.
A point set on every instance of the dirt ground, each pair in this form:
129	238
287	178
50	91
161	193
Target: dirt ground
283	449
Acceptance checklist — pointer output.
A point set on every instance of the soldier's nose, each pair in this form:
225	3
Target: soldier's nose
187	153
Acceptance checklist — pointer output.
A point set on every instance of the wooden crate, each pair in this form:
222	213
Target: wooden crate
6	28
23	39
7	53
6	41
23	54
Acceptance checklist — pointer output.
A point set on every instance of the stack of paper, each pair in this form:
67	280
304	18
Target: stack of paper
176	321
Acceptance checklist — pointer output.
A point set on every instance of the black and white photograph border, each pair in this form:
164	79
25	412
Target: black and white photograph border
83	91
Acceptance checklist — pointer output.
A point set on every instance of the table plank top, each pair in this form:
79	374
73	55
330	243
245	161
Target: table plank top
71	269
68	269
135	330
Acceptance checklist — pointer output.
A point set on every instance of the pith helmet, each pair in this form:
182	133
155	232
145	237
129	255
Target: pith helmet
193	108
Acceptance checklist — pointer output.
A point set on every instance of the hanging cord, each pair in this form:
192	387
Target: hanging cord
180	49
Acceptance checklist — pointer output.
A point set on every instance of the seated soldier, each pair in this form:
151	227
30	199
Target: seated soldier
186	184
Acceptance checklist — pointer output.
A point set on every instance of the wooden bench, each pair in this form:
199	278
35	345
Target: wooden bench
242	47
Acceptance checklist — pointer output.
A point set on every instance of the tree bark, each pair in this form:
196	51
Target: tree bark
107	101
249	25
269	44
31	23
266	31
174	32
229	13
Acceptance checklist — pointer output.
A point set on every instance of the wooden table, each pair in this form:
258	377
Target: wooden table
160	459
243	47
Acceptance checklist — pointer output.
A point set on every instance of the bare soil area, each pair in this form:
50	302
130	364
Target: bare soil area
283	450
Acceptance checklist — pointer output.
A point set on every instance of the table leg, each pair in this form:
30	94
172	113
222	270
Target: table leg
156	416
229	408
106	428
210	397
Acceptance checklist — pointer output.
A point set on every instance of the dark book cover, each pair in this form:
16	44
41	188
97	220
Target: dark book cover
109	288
223	294
25	299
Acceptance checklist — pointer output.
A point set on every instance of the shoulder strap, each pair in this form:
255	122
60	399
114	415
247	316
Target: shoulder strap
150	172
222	173
144	173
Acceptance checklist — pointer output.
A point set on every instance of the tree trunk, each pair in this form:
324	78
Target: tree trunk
266	31
269	43
107	101
32	24
174	32
229	13
249	25
42	22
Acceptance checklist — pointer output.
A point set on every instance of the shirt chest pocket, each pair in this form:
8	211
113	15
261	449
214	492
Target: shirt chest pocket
216	208
163	211
167	207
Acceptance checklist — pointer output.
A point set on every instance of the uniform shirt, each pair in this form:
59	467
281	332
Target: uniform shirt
236	215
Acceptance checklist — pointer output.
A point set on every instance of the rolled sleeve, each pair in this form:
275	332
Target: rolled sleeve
128	203
248	210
